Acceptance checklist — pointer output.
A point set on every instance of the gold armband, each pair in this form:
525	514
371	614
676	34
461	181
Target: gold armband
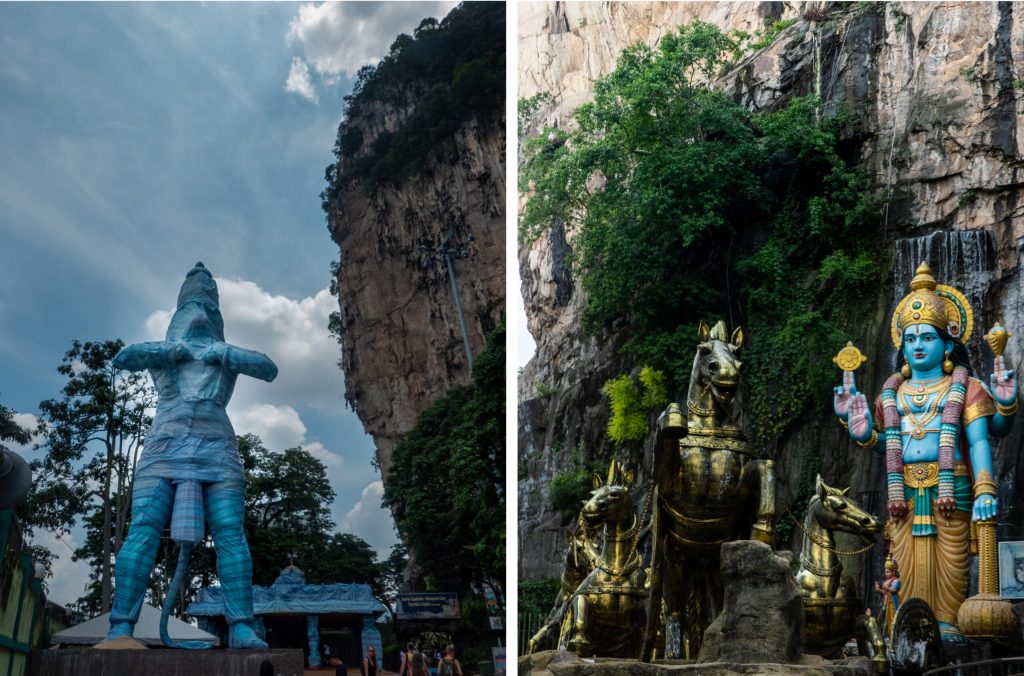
983	484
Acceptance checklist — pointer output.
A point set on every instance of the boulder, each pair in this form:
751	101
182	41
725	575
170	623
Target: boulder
762	619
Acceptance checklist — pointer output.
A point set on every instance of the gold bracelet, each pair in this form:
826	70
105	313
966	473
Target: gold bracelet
984	484
843	422
870	443
1006	411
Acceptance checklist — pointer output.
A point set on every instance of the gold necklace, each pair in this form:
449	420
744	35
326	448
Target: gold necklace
916	423
920	391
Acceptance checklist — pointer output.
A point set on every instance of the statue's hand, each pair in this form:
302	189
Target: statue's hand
897	509
178	353
945	506
1004	383
843	394
214	354
860	418
985	507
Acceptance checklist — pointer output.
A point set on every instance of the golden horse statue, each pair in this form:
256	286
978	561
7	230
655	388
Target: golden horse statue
833	609
580	558
605	615
710	489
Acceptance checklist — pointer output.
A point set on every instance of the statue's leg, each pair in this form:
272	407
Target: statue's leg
759	478
225	507
867	628
580	643
151	508
677	588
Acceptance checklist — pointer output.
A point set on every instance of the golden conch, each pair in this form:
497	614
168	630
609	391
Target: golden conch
996	339
849	358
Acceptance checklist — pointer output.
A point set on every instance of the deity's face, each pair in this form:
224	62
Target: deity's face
923	348
1018	569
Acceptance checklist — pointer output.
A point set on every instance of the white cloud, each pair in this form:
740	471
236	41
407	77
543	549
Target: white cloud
278	426
70	578
370	521
291	332
299	82
341	37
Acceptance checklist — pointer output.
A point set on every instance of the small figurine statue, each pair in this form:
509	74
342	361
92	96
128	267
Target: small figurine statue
934	421
190	471
890	590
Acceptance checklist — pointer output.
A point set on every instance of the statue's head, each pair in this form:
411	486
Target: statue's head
931	323
198	313
716	363
610	499
839	512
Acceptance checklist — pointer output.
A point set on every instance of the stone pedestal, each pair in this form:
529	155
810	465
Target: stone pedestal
152	661
552	663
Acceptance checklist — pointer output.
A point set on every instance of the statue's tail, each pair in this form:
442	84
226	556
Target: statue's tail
187	528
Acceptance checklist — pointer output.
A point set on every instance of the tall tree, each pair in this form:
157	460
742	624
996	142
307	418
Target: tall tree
93	435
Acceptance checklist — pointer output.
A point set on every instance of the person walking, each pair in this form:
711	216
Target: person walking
406	668
449	666
369	665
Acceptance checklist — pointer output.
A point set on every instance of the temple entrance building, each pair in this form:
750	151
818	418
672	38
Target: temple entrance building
293	614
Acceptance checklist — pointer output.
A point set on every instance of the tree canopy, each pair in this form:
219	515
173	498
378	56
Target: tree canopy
683	205
446	483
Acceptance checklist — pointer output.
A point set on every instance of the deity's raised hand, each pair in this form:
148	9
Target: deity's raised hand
1004	383
860	418
843	394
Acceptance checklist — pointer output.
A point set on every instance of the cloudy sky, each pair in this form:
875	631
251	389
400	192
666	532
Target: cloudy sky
140	138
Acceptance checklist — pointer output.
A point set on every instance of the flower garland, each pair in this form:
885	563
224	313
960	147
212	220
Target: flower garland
948	434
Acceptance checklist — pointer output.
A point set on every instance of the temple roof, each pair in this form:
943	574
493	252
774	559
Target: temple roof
291	594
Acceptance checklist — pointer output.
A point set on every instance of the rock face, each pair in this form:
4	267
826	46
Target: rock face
402	346
762	617
937	89
552	663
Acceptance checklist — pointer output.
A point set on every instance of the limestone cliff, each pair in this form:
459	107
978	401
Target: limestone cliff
937	88
402	345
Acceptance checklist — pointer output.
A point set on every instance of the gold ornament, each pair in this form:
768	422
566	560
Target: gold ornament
947	364
905	370
933	304
996	339
849	358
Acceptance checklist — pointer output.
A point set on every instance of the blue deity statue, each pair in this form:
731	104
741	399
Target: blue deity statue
190	472
934	421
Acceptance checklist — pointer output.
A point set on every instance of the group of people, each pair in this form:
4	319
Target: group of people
414	662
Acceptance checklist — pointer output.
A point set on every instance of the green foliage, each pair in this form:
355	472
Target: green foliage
685	206
453	71
528	106
445	487
630	408
536	596
11	430
568	489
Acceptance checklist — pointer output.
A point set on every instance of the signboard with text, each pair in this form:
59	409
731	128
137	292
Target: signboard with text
428	606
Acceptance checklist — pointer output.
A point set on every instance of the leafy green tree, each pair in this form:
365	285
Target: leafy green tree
11	430
445	488
92	438
684	206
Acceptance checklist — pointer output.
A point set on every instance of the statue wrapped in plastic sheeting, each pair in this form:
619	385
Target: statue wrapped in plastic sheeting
190	471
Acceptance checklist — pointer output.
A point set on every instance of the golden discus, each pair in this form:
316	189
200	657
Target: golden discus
849	358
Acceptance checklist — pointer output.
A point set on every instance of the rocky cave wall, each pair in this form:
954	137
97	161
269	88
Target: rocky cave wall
938	89
402	346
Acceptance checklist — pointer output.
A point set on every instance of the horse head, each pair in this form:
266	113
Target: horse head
716	366
610	501
834	510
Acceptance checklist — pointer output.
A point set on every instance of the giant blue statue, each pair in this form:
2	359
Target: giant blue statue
190	472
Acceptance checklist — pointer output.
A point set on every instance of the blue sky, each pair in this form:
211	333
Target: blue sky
140	138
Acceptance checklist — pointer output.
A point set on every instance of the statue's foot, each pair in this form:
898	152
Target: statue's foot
119	629
241	636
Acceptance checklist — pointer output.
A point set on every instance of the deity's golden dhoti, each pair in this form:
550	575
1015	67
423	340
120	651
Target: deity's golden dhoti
933	560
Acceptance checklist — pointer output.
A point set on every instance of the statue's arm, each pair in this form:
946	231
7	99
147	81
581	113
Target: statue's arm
142	356
985	503
248	362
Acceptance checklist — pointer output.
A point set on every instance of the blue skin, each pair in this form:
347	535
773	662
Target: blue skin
924	351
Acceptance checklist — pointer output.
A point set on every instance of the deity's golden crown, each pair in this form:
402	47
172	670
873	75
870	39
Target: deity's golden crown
935	305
